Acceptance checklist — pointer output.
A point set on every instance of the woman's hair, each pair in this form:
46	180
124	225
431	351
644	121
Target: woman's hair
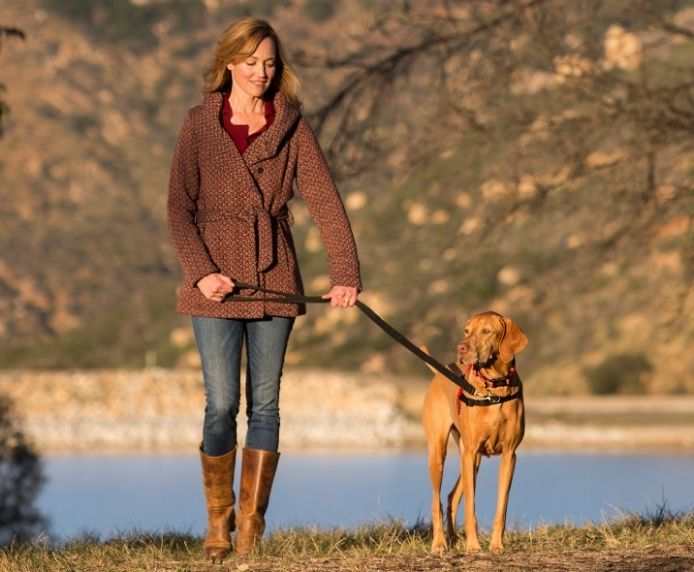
239	41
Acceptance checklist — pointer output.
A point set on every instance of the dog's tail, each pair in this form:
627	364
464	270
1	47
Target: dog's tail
426	349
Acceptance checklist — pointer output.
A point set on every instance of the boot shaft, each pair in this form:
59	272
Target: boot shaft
257	475
218	478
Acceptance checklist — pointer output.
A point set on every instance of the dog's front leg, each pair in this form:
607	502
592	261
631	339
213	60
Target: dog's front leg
472	543
437	456
506	468
456	496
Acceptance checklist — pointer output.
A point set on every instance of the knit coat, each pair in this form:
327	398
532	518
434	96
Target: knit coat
228	213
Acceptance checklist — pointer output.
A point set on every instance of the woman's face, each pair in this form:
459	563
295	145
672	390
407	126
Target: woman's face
254	74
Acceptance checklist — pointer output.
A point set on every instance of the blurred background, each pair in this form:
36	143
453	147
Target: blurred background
532	157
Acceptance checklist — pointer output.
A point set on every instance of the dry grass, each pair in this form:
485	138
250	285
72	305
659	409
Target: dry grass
660	540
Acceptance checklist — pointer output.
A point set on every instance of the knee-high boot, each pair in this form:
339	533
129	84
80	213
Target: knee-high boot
257	473
218	480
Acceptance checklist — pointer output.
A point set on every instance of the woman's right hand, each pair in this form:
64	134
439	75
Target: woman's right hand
215	286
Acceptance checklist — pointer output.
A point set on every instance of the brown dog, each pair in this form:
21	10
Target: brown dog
486	358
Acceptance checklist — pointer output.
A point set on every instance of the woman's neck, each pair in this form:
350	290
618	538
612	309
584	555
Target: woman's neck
243	103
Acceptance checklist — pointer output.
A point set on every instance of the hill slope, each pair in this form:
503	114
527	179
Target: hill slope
540	213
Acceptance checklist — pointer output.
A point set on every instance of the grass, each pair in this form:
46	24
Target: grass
659	539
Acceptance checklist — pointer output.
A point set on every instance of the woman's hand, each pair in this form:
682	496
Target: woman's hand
215	286
342	296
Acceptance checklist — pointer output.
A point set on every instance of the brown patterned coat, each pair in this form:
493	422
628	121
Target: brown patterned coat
227	212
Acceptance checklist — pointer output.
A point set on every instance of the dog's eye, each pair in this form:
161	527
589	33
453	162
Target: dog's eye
486	330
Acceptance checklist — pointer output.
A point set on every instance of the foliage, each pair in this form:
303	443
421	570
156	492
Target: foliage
320	10
124	22
620	373
7	32
21	478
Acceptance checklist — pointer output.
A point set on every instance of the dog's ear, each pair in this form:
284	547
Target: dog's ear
513	342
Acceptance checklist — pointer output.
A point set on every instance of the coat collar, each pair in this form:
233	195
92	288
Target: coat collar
267	143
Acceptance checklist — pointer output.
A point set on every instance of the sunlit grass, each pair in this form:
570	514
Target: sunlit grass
352	549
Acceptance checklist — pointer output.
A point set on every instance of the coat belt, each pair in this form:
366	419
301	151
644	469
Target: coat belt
260	222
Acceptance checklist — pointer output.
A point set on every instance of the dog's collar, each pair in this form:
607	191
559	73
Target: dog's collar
511	378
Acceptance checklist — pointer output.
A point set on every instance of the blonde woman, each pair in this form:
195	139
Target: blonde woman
238	157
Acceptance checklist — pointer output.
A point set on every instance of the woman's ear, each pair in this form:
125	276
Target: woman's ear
513	342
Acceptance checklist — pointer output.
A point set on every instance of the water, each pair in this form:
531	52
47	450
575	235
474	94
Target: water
111	494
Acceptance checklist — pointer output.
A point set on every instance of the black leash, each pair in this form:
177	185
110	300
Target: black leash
456	378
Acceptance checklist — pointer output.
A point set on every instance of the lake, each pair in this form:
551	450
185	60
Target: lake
105	495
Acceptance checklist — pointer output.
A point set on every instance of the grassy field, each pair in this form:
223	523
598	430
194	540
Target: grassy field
658	541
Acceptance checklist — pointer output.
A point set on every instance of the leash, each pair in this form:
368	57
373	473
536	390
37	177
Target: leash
458	379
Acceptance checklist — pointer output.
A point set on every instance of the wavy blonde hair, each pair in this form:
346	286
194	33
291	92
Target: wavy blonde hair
239	41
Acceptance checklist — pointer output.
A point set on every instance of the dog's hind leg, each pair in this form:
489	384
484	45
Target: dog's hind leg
455	495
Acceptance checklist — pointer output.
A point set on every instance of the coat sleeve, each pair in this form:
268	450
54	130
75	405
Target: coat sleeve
316	186
184	183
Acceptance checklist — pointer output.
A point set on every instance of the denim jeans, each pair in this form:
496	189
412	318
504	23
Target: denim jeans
219	342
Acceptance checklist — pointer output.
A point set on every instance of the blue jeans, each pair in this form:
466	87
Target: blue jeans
219	342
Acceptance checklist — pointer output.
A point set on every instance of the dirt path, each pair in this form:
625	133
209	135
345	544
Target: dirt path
666	559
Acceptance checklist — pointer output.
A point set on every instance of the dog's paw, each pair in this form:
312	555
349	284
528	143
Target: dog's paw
496	547
439	546
472	547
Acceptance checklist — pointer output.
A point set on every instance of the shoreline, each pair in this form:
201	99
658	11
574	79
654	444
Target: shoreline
157	411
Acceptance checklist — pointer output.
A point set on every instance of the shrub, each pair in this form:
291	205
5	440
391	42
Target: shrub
619	373
22	478
123	22
320	10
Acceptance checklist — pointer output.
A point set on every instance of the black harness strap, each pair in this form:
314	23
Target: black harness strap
459	379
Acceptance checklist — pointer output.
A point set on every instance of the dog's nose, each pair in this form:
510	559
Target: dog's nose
463	348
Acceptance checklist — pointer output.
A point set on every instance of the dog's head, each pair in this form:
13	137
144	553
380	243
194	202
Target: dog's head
489	336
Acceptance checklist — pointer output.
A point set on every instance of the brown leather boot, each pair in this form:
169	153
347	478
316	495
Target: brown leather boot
218	479
257	474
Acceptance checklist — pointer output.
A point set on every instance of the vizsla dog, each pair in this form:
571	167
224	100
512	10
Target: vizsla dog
486	359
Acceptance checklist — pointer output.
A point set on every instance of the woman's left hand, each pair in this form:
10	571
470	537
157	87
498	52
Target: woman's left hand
342	296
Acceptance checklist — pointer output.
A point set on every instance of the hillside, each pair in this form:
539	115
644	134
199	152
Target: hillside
521	194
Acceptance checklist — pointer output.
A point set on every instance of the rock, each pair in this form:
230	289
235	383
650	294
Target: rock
356	201
494	189
418	214
469	226
438	287
320	283
440	217
527	187
605	158
463	200
622	49
181	337
313	242
676	226
509	276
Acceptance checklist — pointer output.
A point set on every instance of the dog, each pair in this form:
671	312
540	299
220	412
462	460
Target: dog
486	359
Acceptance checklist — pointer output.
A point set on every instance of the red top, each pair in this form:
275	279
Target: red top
239	133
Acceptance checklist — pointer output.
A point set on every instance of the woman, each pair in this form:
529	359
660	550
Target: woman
234	166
